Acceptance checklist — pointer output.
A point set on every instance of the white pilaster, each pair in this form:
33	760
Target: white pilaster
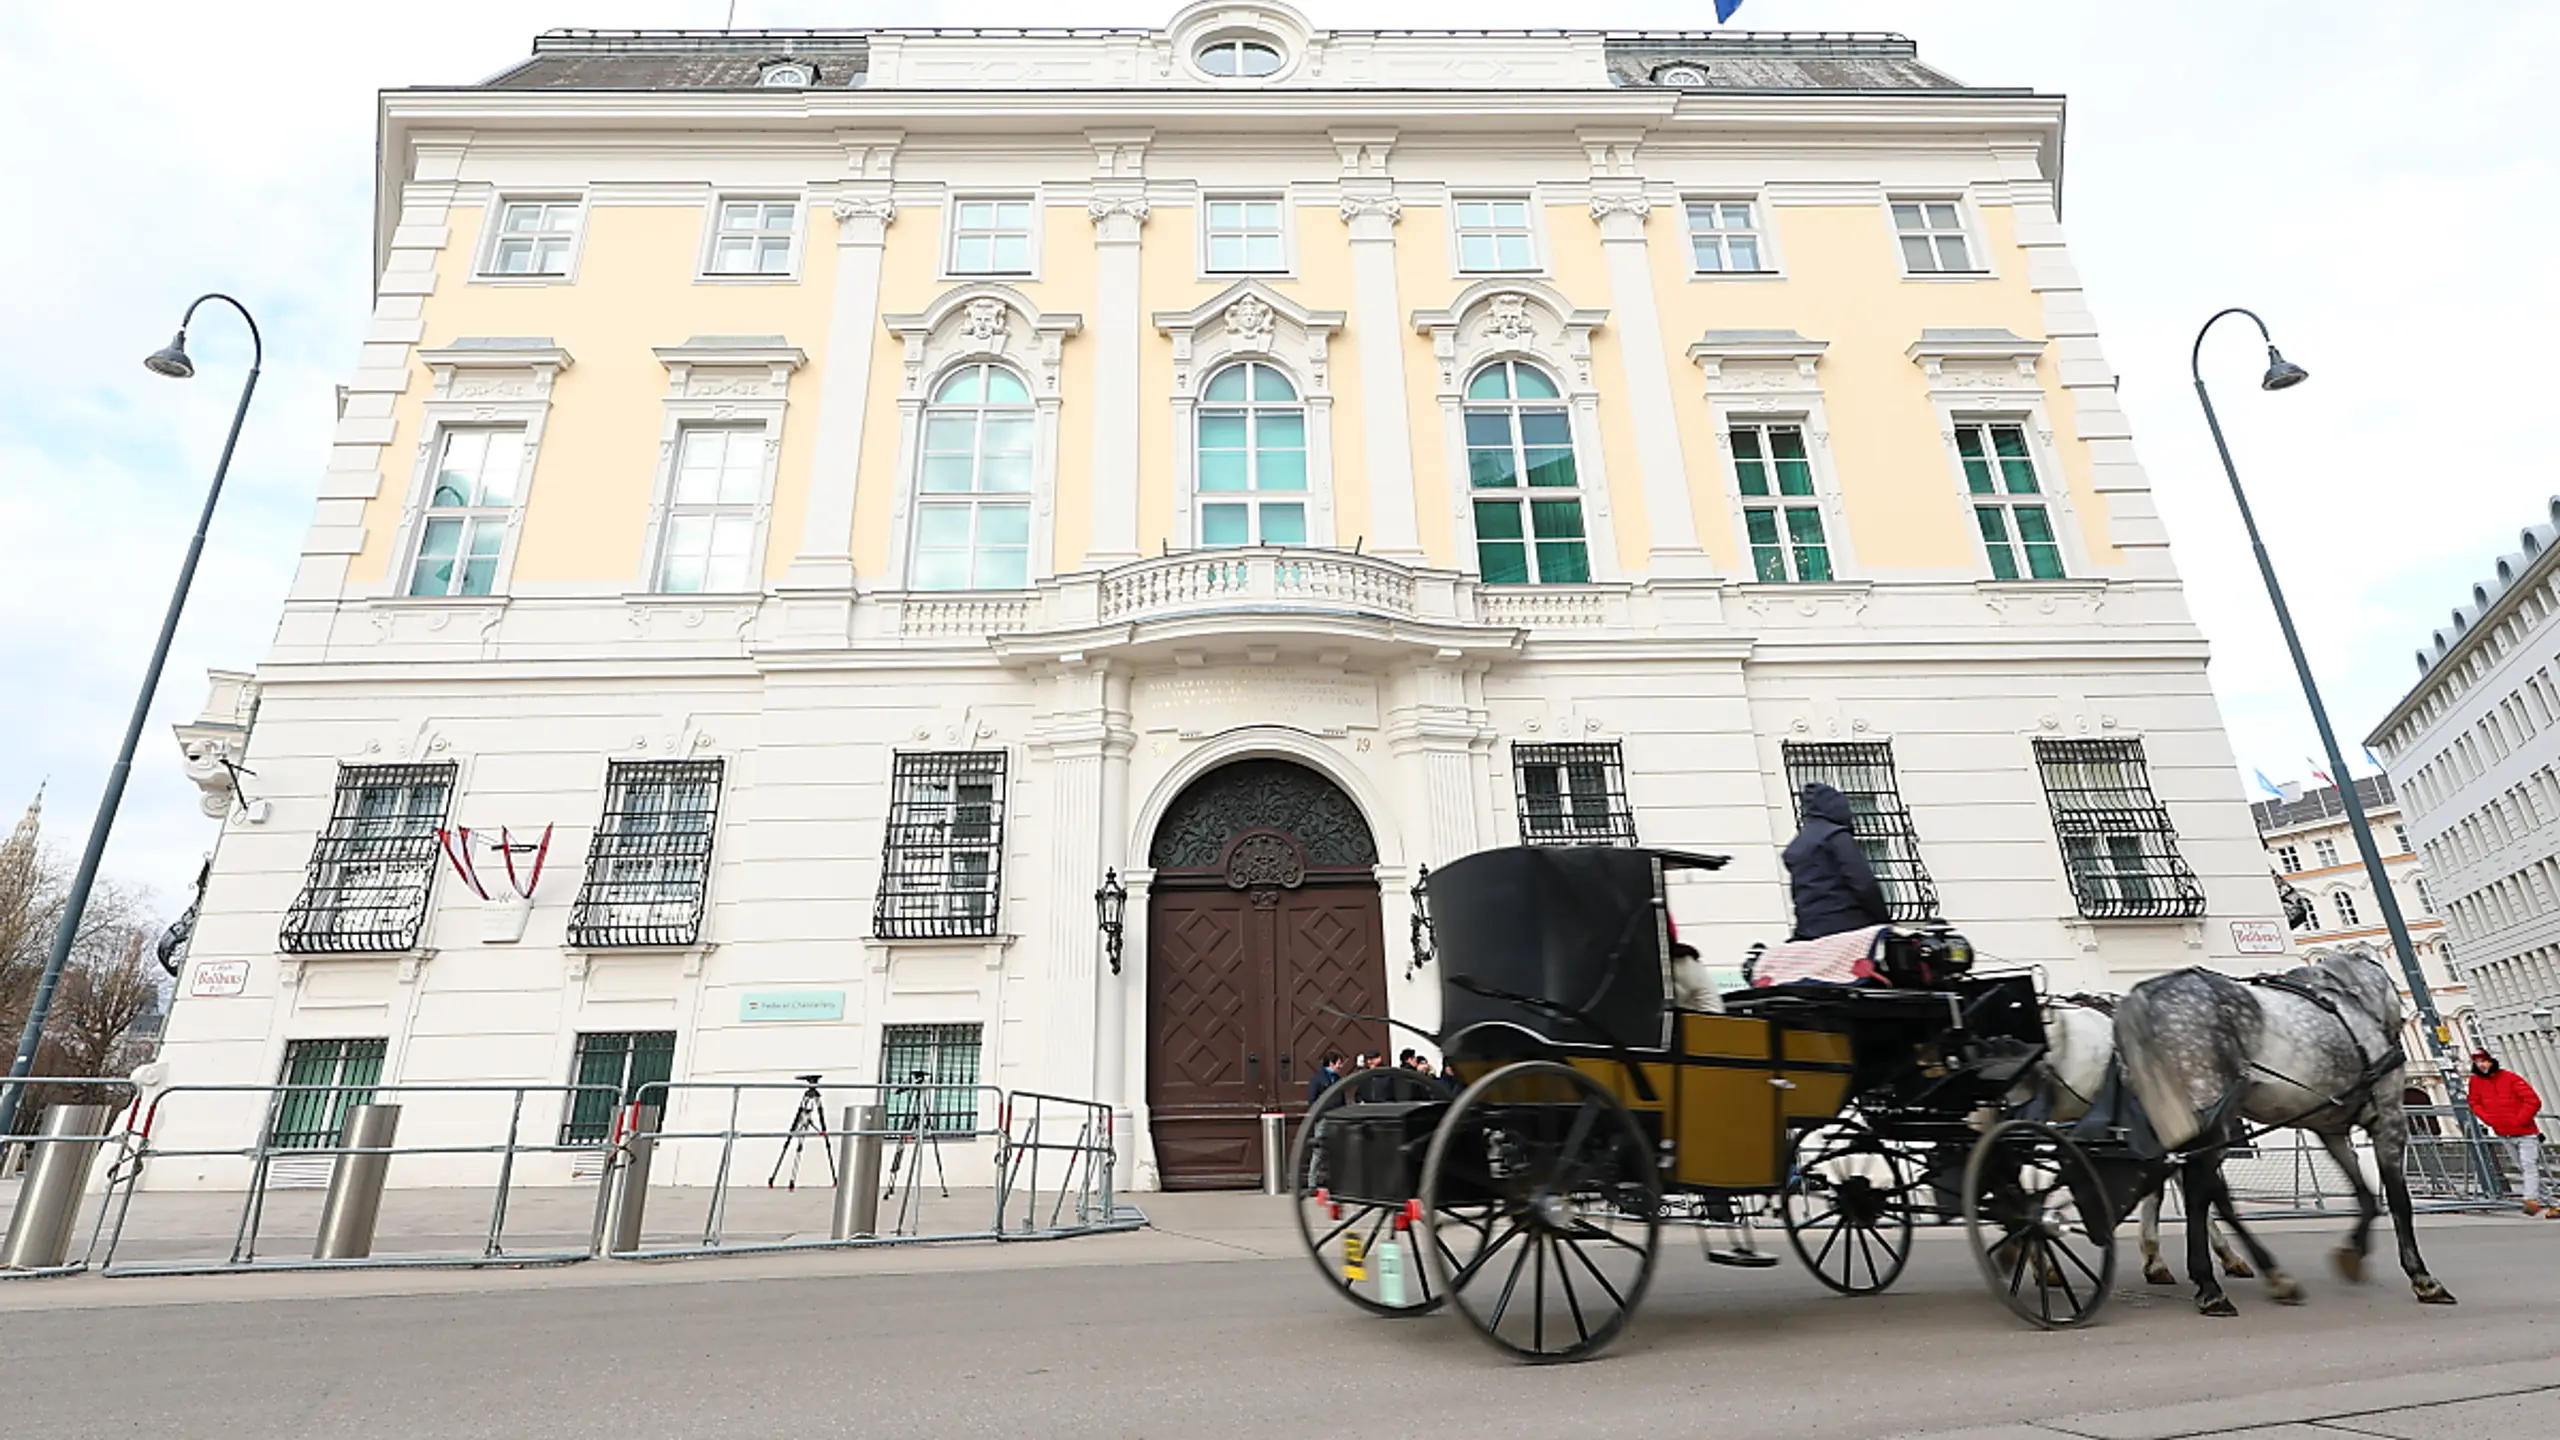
1370	208
1675	552
1119	211
863	212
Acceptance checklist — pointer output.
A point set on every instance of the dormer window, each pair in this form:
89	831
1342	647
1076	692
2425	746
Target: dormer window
786	74
1239	57
1681	77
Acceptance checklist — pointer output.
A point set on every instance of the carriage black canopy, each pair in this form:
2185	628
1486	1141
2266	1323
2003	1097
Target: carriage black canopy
1581	927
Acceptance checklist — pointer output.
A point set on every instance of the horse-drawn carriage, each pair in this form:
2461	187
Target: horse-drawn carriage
1595	1111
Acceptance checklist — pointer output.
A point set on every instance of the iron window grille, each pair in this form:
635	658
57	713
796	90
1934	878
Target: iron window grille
1863	771
341	1073
942	866
625	1060
373	864
1573	795
2118	846
650	866
931	1073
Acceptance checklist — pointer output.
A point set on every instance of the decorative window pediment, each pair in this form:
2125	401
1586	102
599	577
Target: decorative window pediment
1249	320
1761	360
1969	359
983	321
1511	317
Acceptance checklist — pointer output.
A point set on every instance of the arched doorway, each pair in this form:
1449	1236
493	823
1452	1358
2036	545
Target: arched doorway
1264	911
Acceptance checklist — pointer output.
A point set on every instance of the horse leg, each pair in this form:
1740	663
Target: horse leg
2199	1197
2154	1272
2390	1132
2282	1287
2233	1264
2349	1258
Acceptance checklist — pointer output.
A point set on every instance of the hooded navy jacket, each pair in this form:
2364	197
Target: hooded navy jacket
1834	887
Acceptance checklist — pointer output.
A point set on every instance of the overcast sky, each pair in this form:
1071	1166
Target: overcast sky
2369	176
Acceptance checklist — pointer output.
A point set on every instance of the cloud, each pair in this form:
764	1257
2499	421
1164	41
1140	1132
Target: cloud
2374	184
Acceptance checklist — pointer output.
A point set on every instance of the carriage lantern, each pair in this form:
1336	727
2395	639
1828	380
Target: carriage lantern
1425	944
1110	907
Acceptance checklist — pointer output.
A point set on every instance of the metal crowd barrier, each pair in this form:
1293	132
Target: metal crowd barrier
359	1164
905	1132
2450	1165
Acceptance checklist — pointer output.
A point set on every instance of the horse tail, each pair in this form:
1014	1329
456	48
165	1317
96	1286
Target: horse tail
2165	1050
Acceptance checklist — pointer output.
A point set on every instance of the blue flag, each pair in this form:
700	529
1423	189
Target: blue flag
1725	9
2266	784
2369	760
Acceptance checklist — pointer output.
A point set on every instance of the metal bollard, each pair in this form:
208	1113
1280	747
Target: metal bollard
631	1191
49	1198
354	1203
1275	1128
858	1171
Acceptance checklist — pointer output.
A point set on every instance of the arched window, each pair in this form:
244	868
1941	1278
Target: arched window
1520	470
2346	906
1252	474
973	507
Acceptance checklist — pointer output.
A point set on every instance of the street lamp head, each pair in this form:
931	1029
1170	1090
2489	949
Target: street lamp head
171	359
2282	374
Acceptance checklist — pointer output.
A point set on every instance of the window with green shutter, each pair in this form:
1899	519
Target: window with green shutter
2009	506
325	1077
1781	515
1521	473
611	1068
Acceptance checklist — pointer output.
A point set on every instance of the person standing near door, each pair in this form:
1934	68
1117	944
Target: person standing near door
1326	1074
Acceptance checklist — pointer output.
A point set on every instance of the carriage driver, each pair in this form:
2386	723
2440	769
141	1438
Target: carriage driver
1834	888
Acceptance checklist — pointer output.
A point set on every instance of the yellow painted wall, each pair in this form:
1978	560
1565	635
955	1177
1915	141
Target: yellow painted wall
1582	273
1423	282
587	509
1844	285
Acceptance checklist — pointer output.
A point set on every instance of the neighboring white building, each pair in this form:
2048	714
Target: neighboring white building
861	489
2474	750
2312	849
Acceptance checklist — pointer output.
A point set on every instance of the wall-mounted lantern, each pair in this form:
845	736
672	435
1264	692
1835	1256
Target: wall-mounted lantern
1110	910
1425	943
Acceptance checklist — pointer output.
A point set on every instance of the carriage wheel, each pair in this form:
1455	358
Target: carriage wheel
1542	1208
1847	1206
2041	1224
1342	1234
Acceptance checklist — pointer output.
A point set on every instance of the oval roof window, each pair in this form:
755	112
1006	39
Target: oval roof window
1239	57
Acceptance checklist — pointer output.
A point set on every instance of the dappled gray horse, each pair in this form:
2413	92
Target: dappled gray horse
2064	1086
2316	1047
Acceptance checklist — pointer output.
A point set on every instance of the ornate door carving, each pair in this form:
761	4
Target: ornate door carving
1255	926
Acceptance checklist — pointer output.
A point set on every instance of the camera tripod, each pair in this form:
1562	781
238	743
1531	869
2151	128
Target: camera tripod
807	1121
915	1139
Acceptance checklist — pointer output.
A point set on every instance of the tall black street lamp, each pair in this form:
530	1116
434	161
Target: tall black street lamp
2283	374
170	360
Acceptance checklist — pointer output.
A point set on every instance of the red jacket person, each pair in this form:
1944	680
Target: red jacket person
2507	1105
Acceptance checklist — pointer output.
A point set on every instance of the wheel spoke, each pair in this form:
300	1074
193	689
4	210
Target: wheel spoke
1538	1296
1510	1283
1615	1298
2079	1264
1460	1278
2062	1277
1859	1235
1839	1227
1572	1303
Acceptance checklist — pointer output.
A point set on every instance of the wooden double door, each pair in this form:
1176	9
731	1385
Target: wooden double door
1239	979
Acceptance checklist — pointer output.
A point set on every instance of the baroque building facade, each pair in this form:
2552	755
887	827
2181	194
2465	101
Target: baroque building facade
863	496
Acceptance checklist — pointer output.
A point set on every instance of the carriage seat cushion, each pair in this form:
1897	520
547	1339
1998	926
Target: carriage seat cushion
1843	959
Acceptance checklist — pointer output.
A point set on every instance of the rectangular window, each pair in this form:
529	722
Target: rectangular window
1724	238
1494	235
2008	505
370	869
470	499
991	237
708	544
2324	852
2345	901
2400	837
754	237
1933	239
535	237
1573	795
1863	771
341	1072
610	1068
941	868
1780	513
2290	858
932	1072
649	867
2118	844
1245	237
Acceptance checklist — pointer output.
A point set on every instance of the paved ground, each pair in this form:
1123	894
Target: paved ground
1209	1322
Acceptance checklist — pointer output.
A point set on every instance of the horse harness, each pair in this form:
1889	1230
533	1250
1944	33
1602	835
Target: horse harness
2374	1067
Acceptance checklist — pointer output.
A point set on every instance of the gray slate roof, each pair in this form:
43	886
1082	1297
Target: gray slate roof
2322	804
733	59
